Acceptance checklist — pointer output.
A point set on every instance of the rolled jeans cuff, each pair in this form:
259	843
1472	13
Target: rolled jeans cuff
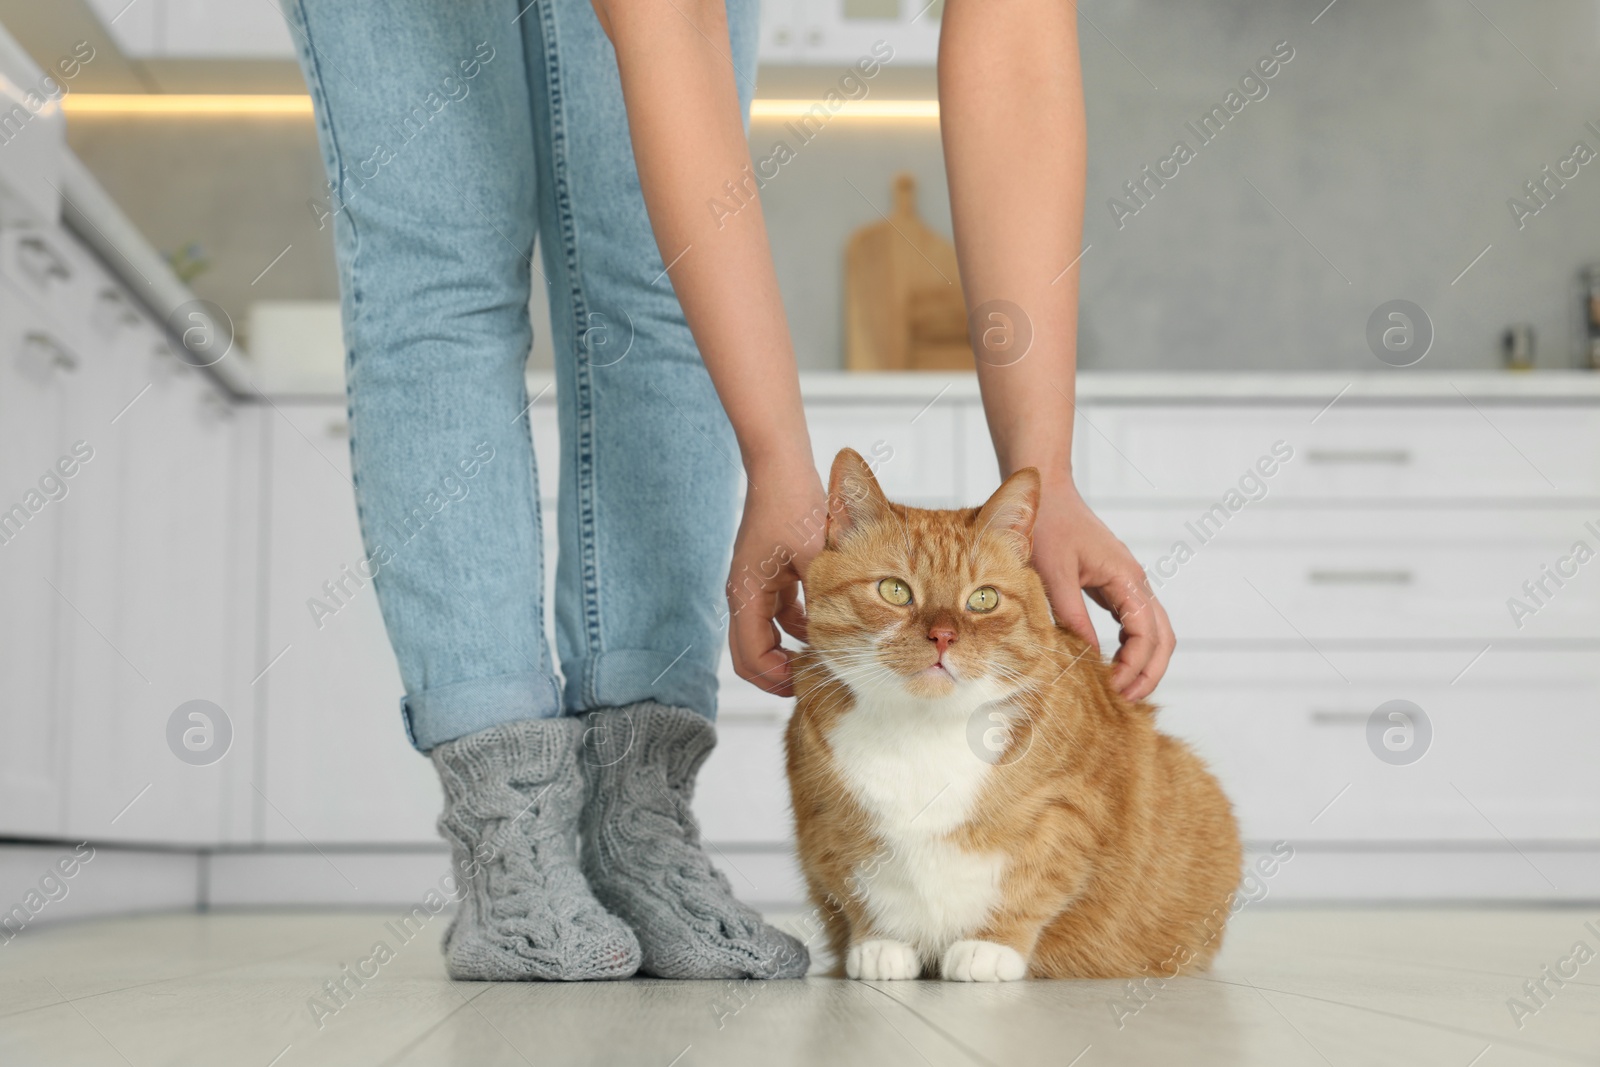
627	676
435	716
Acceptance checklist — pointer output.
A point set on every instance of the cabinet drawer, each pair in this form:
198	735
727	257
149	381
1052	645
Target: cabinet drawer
1507	750
1265	593
1402	452
1367	574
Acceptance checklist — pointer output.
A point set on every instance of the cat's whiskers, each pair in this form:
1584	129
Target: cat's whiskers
862	669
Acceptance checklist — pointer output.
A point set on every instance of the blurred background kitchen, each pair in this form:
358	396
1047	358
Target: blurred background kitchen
1373	267
1392	141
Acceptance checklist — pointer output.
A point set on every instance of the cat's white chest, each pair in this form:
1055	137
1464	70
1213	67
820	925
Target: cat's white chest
918	778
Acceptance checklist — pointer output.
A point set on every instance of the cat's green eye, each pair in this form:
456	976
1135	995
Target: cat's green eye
895	591
985	599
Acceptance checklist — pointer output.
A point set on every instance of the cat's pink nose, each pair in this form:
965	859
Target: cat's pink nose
943	636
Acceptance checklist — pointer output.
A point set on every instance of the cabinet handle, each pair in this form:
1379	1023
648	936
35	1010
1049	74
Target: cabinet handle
1327	717
43	354
119	311
216	406
165	362
1360	577
41	262
1392	457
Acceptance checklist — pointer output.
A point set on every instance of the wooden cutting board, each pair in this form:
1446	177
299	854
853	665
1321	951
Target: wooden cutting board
903	304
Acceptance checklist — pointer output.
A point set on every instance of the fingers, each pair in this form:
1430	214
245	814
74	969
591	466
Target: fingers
1066	600
755	644
1156	669
1073	613
1147	640
791	612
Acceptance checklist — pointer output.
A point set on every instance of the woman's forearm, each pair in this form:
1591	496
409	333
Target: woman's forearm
1011	114
688	140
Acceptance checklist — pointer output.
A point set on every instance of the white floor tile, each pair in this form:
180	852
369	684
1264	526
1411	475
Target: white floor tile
1314	986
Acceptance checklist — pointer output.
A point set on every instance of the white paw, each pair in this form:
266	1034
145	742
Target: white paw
882	961
983	961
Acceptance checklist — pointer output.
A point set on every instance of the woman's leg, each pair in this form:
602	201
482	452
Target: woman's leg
650	468
649	478
423	115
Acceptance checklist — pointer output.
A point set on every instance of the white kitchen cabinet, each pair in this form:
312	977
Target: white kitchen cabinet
1406	454
120	578
1291	574
1375	565
818	32
980	472
47	374
1509	739
336	765
178	610
782	26
196	29
792	31
911	447
53	273
99	687
1509	743
35	365
148	544
742	796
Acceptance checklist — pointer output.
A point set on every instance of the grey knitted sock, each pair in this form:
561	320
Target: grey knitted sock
641	850
512	797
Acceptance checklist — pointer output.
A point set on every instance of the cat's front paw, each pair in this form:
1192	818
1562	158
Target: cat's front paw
983	961
882	961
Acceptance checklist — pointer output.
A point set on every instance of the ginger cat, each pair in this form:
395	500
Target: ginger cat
972	799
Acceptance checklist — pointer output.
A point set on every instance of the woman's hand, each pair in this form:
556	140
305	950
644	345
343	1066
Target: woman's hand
785	514
1008	76
1073	550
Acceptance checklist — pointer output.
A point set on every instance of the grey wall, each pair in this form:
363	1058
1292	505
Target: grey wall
1391	140
237	187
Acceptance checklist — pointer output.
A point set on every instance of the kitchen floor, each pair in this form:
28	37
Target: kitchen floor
1293	986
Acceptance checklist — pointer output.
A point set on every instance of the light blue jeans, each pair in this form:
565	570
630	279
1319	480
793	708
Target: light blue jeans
453	133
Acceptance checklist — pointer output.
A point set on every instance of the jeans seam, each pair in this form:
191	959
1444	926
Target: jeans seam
335	159
583	403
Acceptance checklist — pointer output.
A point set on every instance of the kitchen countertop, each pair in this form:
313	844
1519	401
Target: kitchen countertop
1094	387
1200	387
1112	387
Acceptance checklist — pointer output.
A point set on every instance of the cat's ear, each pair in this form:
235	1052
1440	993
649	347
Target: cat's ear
1011	511
854	498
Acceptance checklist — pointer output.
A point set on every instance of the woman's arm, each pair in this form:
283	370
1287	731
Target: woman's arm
1011	113
688	139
